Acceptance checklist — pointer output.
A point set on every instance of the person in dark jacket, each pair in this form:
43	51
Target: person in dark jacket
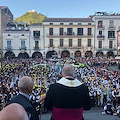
68	97
25	87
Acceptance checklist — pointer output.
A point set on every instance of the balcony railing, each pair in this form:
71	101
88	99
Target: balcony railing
101	27
54	35
69	35
72	47
111	37
100	36
107	49
84	35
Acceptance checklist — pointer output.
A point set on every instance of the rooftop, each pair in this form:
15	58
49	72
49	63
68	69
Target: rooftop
1	7
67	20
106	14
36	24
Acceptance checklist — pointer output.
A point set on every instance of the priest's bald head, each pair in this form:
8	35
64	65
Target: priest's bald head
68	70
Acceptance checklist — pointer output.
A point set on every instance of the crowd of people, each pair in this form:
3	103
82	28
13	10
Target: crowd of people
103	83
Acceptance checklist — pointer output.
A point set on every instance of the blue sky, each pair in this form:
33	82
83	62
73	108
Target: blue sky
62	8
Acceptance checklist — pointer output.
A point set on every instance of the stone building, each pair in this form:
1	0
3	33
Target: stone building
5	17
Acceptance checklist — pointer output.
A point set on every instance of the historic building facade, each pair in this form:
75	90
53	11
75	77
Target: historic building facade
68	37
36	39
106	27
16	41
22	41
97	35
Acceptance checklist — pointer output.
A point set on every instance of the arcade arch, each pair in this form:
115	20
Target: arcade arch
65	53
9	55
23	55
88	54
77	53
37	55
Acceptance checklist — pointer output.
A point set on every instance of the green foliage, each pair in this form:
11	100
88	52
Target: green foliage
31	17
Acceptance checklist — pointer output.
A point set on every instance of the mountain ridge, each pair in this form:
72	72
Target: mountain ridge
31	17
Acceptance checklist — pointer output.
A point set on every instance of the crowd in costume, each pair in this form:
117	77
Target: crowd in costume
103	83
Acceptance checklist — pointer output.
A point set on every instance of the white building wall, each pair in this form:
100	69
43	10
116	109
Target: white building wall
15	37
105	41
32	39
